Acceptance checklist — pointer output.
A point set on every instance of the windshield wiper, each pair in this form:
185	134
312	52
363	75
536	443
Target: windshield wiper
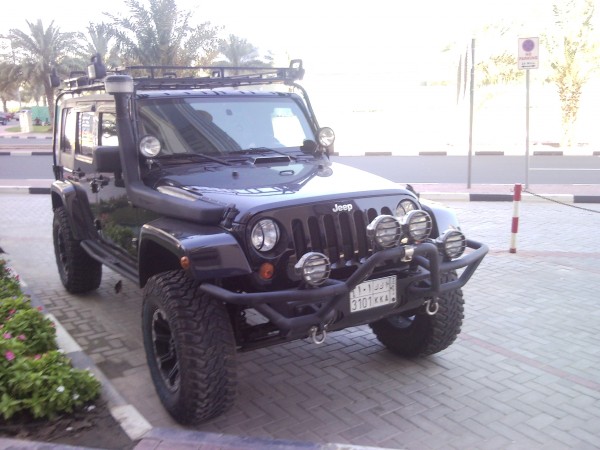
262	151
189	156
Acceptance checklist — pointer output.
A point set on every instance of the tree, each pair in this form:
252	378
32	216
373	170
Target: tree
100	39
41	49
573	57
9	82
239	52
162	35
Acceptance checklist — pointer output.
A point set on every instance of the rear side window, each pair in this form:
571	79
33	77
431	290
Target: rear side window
108	130
69	131
87	133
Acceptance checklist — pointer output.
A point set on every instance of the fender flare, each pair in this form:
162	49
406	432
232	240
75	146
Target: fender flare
75	201
213	253
443	217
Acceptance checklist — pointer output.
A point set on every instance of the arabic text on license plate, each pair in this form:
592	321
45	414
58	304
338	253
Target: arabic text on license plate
373	293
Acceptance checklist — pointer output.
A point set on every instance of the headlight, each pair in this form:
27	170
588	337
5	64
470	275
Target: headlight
417	225
265	235
149	146
326	136
314	268
404	207
452	243
385	231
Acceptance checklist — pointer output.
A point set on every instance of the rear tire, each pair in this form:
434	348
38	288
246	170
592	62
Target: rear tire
190	348
78	271
421	334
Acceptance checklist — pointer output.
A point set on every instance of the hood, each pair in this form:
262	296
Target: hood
262	187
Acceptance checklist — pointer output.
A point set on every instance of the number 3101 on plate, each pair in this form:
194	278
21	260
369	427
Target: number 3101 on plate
373	293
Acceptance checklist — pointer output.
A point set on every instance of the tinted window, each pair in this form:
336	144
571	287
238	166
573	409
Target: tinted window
108	130
87	133
69	130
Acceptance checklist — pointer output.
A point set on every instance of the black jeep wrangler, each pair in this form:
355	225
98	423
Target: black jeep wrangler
212	188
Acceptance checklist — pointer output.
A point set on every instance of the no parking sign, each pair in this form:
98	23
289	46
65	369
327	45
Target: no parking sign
529	53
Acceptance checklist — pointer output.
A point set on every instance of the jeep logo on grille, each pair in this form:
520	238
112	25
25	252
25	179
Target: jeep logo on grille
339	208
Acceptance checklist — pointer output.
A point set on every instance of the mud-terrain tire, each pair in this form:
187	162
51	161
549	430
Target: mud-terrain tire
78	271
421	334
190	348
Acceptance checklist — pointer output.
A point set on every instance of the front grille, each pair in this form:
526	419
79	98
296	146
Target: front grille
341	236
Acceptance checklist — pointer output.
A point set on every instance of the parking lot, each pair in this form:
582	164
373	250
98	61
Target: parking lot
524	373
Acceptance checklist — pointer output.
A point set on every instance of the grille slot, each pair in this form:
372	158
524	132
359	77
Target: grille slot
342	236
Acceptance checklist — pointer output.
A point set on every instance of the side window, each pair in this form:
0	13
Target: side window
87	136
69	131
108	130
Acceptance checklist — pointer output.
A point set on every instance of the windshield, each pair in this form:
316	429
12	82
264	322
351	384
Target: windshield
218	125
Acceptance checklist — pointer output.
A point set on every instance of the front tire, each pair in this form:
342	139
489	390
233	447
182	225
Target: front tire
78	271
421	334
190	348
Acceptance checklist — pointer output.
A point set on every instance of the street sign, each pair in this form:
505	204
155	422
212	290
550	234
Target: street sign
529	53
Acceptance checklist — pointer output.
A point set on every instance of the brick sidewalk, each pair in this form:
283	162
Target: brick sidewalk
524	373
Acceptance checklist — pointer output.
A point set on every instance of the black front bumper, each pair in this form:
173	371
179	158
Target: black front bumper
328	296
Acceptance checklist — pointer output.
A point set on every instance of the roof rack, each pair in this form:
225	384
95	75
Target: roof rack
183	77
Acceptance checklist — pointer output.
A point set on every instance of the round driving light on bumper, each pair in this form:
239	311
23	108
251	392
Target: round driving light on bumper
385	231
314	268
452	243
265	235
417	225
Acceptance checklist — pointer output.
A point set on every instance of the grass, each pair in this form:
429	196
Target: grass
36	129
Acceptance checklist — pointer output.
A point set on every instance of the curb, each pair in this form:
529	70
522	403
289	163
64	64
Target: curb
26	153
469	197
26	137
131	420
139	429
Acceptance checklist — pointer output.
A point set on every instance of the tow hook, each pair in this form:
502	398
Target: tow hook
316	336
432	307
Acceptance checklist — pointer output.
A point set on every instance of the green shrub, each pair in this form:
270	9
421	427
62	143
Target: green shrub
9	283
35	377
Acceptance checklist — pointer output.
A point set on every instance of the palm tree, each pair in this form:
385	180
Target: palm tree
10	76
100	39
162	35
574	58
239	53
41	49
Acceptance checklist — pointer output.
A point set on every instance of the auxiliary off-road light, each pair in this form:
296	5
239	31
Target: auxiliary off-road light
404	207
385	231
314	268
417	225
326	136
149	146
265	235
452	243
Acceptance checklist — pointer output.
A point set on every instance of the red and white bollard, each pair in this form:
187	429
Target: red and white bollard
515	219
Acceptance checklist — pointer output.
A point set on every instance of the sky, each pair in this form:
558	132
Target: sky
328	35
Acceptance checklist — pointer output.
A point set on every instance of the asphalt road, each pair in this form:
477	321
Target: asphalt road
405	169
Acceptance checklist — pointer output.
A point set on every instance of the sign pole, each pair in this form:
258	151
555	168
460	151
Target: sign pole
471	101
528	58
527	130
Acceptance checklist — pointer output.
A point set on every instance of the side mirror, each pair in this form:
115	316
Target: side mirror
107	159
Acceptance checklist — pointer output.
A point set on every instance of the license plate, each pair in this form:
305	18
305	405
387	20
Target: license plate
373	293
